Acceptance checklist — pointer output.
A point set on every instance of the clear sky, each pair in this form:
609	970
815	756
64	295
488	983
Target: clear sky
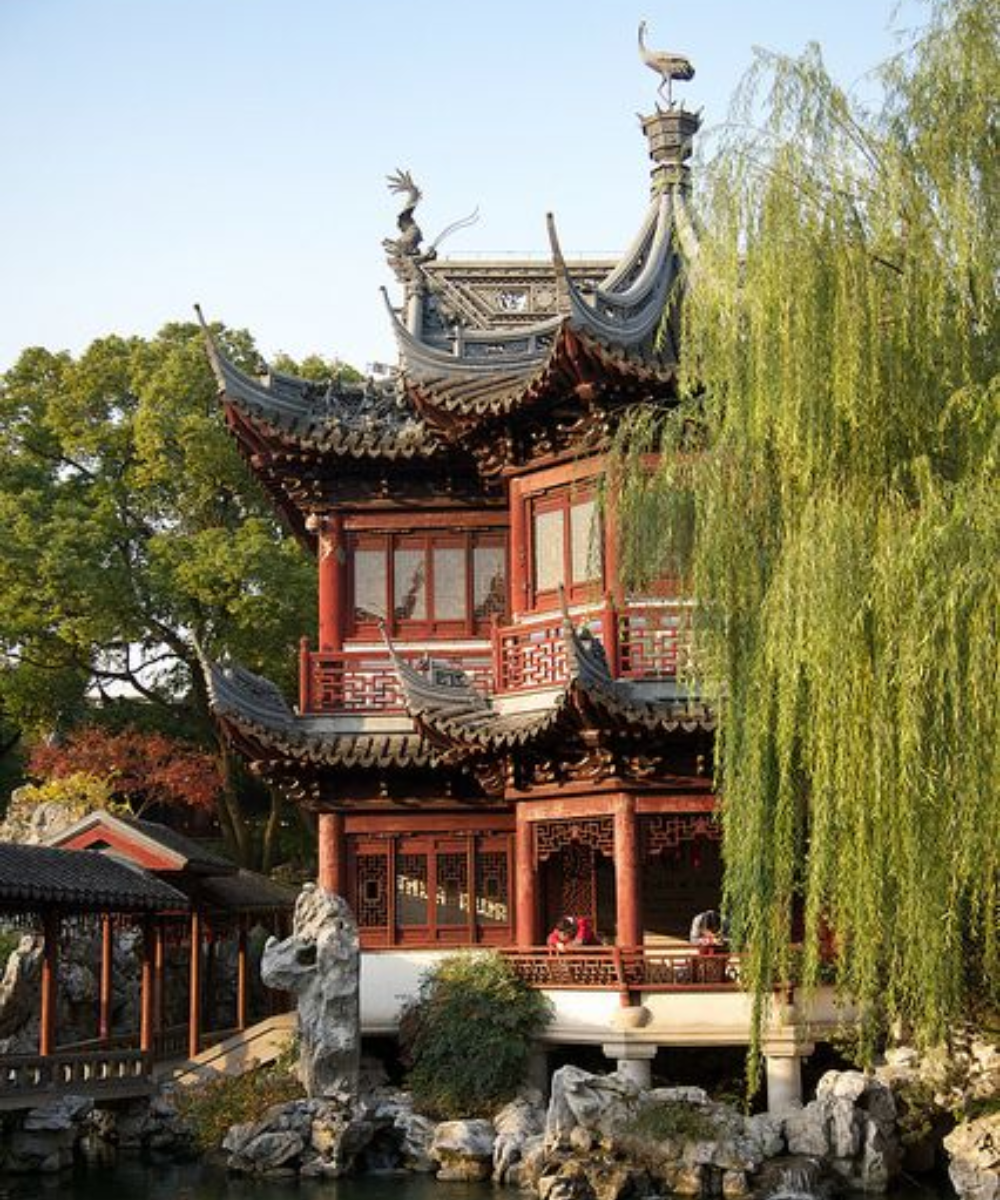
155	153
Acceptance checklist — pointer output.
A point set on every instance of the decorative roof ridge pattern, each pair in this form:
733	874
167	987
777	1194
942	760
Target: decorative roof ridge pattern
368	421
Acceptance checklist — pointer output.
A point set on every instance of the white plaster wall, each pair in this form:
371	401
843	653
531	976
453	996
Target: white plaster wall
390	978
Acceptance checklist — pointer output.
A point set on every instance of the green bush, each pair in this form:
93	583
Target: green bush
211	1108
672	1120
467	1035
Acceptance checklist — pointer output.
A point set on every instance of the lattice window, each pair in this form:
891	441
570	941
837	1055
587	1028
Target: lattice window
452	880
371	902
411	889
492	888
666	831
578	882
598	833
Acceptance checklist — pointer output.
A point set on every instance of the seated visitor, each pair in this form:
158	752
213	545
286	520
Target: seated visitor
707	933
571	932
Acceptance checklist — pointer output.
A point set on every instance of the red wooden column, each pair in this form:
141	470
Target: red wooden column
525	878
242	975
147	989
332	853
628	882
50	975
332	580
518	550
105	983
194	996
159	973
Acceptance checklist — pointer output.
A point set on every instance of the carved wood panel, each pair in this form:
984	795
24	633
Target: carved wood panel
552	836
666	831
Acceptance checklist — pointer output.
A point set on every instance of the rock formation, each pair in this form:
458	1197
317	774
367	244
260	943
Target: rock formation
320	964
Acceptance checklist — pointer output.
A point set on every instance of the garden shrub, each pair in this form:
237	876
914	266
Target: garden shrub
211	1108
466	1036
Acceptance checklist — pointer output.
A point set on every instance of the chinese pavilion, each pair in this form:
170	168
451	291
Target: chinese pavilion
491	729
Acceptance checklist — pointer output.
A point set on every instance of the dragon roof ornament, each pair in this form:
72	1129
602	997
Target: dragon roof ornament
404	253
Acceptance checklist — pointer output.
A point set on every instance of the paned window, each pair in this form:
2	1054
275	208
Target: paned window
426	889
489	589
566	546
419	584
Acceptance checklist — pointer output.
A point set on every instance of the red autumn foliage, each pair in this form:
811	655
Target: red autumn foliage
141	768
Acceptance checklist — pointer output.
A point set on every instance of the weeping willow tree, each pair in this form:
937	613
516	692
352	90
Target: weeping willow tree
836	453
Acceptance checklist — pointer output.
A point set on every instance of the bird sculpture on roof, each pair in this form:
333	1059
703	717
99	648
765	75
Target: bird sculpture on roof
667	65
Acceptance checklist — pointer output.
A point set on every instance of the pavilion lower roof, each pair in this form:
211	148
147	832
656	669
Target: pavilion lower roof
446	724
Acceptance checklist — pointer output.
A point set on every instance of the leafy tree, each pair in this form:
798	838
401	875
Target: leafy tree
131	530
140	769
838	453
468	1034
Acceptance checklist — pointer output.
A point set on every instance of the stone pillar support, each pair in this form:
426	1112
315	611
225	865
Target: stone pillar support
633	1060
783	1053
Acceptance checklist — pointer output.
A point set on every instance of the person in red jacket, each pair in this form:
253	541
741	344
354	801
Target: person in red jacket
570	932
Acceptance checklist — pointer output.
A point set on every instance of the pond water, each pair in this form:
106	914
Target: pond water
133	1180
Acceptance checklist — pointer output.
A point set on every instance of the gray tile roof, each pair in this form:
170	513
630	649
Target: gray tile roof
32	877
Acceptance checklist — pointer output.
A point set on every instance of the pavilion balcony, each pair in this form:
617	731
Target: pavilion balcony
612	968
644	640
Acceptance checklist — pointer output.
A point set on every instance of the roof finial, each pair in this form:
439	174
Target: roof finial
667	65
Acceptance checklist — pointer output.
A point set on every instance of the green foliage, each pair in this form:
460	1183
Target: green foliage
212	1108
672	1121
843	380
468	1033
132	530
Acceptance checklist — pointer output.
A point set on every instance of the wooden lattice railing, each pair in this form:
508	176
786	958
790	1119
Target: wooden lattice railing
357	681
609	968
647	640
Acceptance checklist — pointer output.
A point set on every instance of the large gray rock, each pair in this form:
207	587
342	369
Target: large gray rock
596	1104
319	1138
464	1149
516	1125
851	1124
974	1150
320	964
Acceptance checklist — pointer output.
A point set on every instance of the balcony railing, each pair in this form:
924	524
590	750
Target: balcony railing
644	640
359	681
610	968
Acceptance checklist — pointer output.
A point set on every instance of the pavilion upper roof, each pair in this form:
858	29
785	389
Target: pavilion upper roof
494	356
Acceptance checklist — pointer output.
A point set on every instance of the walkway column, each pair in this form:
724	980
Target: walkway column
50	976
525	876
194	996
147	989
159	972
106	982
628	885
242	975
332	853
